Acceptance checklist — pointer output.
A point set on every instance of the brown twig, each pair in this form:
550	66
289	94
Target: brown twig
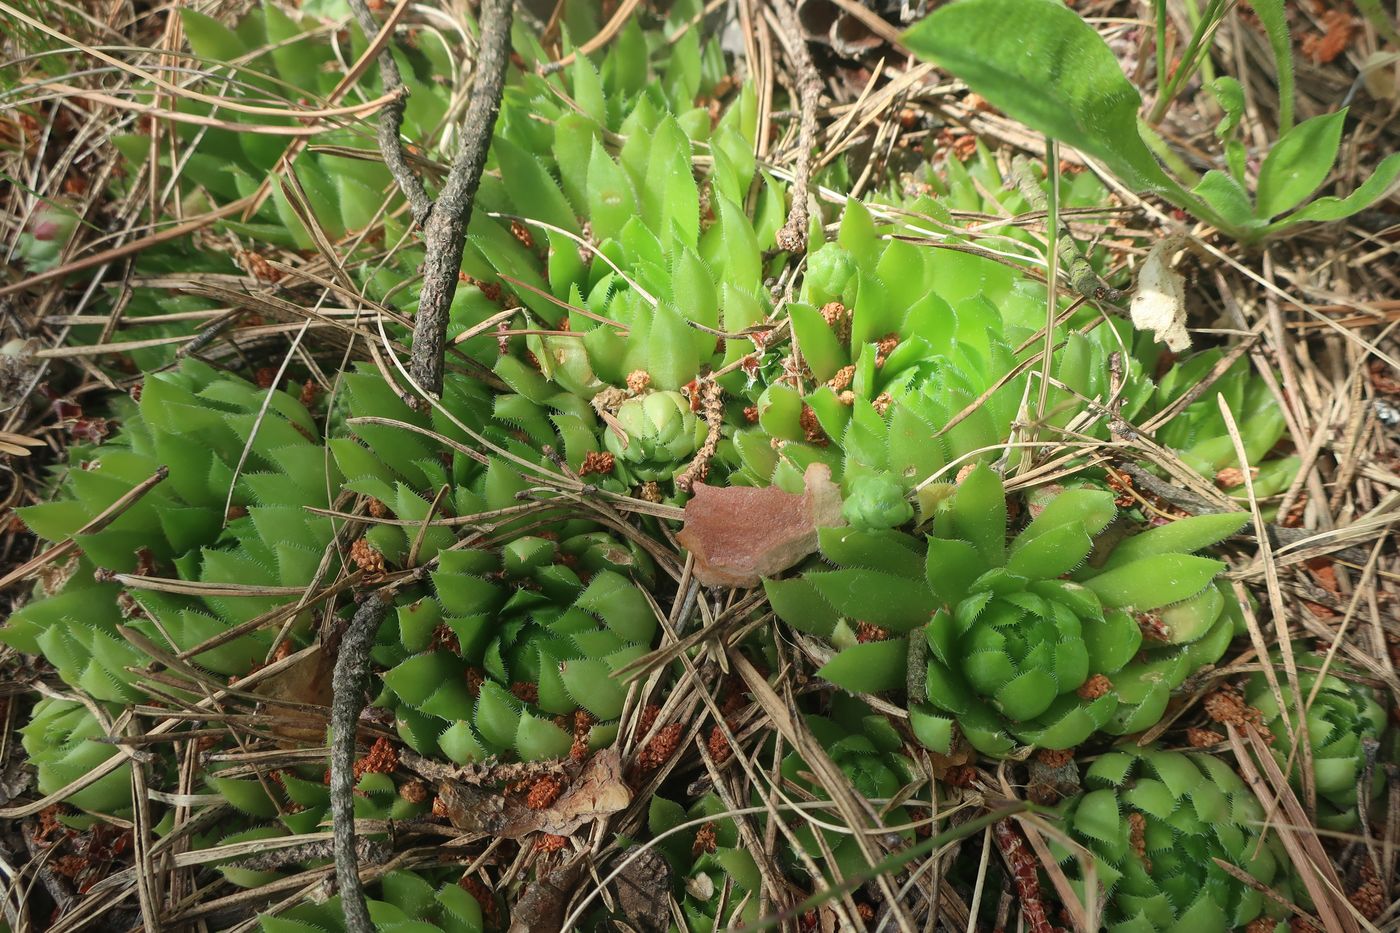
348	688
712	398
391	121
445	220
793	234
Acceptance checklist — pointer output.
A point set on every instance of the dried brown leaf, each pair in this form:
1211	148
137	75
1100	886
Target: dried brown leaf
306	681
740	534
642	892
541	907
598	791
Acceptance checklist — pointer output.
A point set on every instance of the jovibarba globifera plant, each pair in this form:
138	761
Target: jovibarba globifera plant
517	655
905	360
1154	823
204	522
1039	641
62	742
1344	717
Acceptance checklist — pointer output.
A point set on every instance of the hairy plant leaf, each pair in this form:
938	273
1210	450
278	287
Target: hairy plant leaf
882	599
979	513
1052	553
1184	536
1274	18
872	667
1298	163
1052	72
1229	94
1370	191
1153	582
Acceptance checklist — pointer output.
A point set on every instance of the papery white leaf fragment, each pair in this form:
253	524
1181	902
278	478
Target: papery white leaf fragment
1159	302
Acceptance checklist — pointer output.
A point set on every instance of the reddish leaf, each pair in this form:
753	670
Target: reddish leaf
740	534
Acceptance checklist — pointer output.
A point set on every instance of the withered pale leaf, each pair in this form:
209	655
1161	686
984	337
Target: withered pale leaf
1159	302
740	534
306	681
596	792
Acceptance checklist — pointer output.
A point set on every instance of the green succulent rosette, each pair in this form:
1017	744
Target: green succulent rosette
1038	641
655	435
876	502
513	643
1199	434
1154	823
870	754
914	360
1343	717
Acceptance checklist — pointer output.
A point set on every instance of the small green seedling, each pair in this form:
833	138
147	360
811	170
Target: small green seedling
1057	75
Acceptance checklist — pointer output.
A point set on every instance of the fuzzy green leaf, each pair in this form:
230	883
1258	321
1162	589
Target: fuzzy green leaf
1298	163
882	599
1184	536
1154	581
798	603
1051	553
979	513
1023	72
872	667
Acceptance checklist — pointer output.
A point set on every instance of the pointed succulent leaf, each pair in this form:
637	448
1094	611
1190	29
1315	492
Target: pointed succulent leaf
873	596
978	513
1153	582
872	667
800	604
888	550
1051	553
1184	536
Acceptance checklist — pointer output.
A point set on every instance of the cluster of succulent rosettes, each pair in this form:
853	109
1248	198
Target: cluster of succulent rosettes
516	655
971	188
207	521
1041	641
401	900
1155	822
1345	724
274	54
713	868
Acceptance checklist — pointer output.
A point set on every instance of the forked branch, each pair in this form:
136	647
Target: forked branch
444	221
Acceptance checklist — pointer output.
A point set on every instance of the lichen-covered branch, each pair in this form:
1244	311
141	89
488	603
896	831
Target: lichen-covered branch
445	220
445	233
391	122
348	689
